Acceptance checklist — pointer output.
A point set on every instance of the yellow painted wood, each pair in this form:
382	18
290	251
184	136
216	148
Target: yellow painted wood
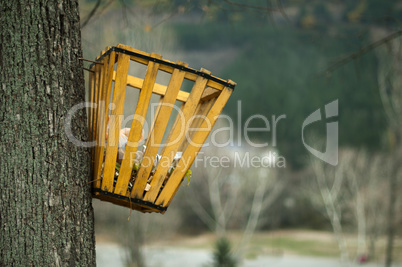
100	111
166	68
158	130
136	128
128	48
179	122
196	121
176	136
190	153
94	74
115	122
210	93
91	97
97	95
158	108
95	100
100	104
101	143
159	89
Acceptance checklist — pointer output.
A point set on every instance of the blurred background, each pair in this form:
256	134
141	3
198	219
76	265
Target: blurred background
288	58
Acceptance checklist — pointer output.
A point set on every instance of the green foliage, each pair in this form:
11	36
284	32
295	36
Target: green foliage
222	256
321	13
279	71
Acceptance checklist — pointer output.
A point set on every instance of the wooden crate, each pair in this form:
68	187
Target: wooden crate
199	110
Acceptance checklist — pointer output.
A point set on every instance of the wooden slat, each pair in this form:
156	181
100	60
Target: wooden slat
99	108
175	138
136	128
209	93
91	97
155	116
158	130
190	153
101	143
166	68
98	80
95	101
159	89
196	121
100	104
128	48
115	122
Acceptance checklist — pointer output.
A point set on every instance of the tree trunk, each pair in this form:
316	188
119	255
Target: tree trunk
391	220
392	207
46	216
390	84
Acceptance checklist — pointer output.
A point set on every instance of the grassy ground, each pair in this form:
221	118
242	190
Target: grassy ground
300	242
277	243
294	242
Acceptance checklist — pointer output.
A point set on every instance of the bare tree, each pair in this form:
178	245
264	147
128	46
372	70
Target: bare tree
388	47
365	176
267	190
356	186
390	86
133	237
235	194
330	181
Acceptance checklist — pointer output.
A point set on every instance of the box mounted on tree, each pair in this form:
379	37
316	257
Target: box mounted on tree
145	172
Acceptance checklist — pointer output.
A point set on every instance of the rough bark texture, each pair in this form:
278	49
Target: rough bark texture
46	216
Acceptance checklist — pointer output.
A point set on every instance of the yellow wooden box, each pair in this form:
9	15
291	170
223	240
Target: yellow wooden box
199	110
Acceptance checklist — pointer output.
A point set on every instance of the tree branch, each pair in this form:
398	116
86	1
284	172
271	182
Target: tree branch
91	14
252	7
361	52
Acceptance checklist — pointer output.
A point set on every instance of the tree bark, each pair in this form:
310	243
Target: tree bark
46	216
